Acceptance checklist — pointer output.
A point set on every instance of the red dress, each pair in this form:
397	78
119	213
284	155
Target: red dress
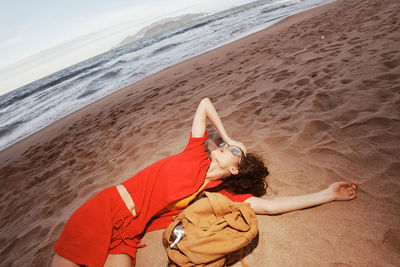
104	225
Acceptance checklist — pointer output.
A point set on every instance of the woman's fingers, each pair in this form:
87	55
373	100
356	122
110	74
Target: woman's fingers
238	144
344	190
243	148
352	190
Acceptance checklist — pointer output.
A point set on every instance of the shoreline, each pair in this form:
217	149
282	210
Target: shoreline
316	96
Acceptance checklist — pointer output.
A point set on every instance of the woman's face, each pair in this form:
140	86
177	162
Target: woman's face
225	159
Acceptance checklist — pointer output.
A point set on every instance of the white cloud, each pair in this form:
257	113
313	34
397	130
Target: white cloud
11	41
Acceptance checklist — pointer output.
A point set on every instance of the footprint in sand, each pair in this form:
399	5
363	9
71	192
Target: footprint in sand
365	128
391	77
324	102
314	130
323	81
282	75
302	82
372	83
392	64
346	81
391	240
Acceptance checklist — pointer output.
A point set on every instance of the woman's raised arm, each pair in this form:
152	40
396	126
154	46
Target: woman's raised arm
206	110
336	191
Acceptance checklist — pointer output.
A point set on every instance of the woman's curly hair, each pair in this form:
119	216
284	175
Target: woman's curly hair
249	180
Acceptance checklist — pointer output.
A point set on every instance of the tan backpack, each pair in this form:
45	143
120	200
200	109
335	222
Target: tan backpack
210	232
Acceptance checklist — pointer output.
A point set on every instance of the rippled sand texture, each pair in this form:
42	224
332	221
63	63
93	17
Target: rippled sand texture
317	96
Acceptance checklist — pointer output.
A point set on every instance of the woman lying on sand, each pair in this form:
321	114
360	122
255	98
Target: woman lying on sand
106	230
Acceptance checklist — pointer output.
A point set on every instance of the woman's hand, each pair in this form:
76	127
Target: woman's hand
206	110
240	145
343	190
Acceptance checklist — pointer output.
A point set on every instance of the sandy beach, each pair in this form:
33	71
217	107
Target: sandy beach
317	96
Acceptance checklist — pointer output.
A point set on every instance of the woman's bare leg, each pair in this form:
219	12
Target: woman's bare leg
60	261
122	260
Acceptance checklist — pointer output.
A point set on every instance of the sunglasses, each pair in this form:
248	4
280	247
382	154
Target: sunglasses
235	151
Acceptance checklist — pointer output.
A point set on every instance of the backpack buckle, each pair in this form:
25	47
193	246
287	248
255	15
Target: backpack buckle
177	234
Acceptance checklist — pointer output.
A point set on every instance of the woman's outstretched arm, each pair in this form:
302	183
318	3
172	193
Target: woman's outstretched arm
205	111
336	191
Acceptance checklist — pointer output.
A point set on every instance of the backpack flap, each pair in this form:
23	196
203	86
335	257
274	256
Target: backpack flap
243	219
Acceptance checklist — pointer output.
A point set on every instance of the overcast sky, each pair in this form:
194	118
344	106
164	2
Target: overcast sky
40	37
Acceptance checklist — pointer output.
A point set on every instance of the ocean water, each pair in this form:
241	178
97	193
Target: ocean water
36	105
